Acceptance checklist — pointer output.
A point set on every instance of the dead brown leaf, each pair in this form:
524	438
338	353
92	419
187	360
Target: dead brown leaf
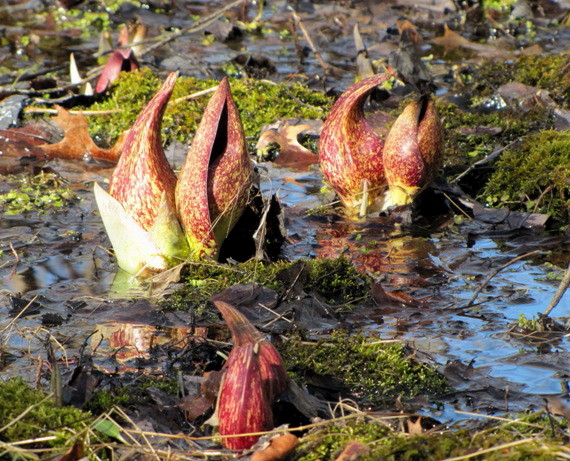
415	36
415	427
291	153
77	143
450	40
353	451
74	454
278	449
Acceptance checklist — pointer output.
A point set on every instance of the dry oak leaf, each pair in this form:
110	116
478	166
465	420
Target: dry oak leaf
291	153
353	450
451	40
77	143
278	449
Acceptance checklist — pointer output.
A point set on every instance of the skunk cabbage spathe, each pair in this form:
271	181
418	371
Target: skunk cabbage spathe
216	178
243	406
413	151
350	153
255	375
138	211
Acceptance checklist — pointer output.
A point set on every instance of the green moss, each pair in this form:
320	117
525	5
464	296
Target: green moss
129	394
498	5
334	280
326	443
42	419
549	72
374	371
259	103
534	176
42	192
468	137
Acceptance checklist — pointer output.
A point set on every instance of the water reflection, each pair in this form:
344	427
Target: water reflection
116	346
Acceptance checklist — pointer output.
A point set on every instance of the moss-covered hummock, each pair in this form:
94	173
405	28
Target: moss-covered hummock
336	281
42	417
534	176
130	394
376	372
43	192
259	103
534	436
471	136
548	72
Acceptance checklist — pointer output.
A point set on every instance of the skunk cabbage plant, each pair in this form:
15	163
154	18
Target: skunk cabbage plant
143	209
243	406
255	375
368	173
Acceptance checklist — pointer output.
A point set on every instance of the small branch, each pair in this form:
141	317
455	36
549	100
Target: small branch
495	272
492	156
326	67
195	95
194	27
559	293
40	110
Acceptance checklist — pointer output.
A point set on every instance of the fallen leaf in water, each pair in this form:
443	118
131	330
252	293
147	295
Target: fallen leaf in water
450	40
353	451
524	97
381	296
405	26
278	449
24	141
291	152
77	143
503	218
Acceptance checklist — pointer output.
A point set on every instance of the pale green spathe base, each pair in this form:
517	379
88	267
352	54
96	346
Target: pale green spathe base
137	250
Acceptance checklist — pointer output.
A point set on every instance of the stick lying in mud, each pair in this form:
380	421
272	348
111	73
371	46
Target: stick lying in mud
328	68
560	292
495	272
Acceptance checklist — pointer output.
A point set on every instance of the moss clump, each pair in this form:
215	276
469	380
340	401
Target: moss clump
534	176
336	281
43	192
549	72
469	136
129	394
259	103
375	372
384	443
42	419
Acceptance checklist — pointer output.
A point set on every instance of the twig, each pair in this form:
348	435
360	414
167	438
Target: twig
559	293
495	272
492	156
40	110
195	27
504	446
326	67
195	95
